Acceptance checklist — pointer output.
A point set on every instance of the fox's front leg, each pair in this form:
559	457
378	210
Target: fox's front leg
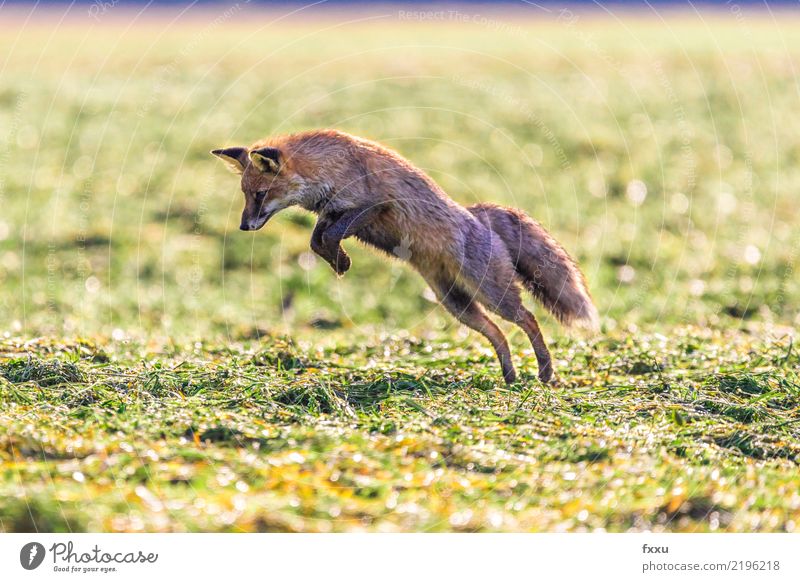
331	230
336	257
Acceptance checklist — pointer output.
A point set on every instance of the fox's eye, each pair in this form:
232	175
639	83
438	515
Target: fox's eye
260	195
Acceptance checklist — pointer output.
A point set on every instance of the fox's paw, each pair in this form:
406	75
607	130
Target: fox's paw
341	264
546	374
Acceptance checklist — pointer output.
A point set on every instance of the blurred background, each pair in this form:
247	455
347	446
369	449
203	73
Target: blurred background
659	143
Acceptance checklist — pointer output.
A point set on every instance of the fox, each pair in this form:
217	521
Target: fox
474	258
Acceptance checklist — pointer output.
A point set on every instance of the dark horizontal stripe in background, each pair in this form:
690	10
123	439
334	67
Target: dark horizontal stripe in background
629	4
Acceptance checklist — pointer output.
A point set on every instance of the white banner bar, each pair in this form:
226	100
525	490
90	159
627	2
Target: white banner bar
402	557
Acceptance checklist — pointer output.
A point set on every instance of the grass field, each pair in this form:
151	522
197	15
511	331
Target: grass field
162	371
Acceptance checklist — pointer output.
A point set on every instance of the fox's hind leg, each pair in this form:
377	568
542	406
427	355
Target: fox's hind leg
527	321
490	272
509	306
469	312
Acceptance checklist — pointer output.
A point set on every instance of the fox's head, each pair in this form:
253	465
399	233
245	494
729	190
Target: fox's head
268	183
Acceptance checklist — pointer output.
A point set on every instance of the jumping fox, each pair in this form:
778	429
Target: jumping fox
474	257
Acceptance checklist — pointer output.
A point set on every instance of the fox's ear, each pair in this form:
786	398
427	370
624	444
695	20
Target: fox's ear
266	159
235	158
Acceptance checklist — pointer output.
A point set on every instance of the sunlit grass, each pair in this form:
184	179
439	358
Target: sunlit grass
699	434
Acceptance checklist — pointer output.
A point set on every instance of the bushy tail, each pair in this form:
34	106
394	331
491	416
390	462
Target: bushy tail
547	271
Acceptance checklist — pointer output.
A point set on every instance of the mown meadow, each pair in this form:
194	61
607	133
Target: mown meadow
162	371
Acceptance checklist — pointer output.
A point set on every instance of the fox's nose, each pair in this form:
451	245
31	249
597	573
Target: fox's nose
245	226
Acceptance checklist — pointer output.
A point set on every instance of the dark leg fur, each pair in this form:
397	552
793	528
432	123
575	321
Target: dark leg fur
332	229
469	312
527	321
494	280
335	256
347	224
510	308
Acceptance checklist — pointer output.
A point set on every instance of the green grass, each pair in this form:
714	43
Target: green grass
698	433
161	371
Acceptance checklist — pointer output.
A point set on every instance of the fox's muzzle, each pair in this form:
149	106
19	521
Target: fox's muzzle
248	224
266	211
